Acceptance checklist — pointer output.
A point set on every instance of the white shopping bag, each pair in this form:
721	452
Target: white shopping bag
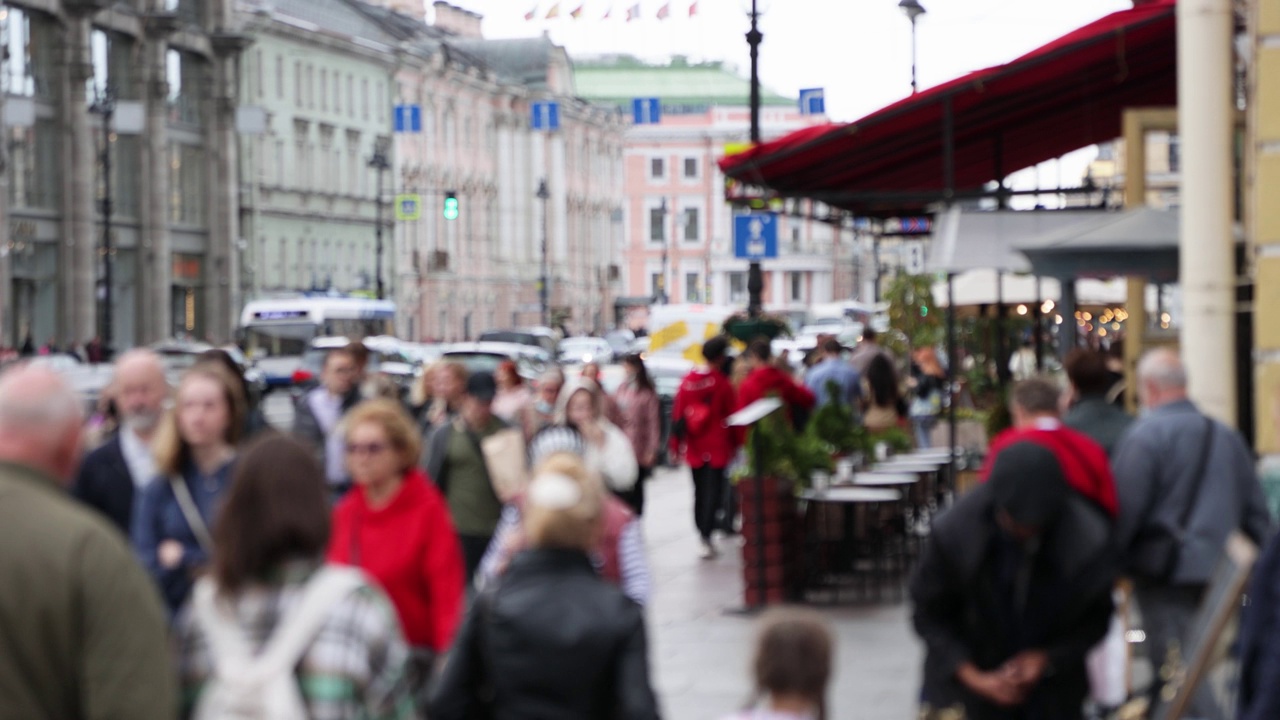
1108	661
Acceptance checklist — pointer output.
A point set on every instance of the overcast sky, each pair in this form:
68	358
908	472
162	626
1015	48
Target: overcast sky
858	50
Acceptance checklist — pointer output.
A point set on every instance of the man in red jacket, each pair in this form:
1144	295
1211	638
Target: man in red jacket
1036	417
765	379
703	402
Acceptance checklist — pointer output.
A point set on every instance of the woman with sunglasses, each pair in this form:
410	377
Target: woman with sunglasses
396	527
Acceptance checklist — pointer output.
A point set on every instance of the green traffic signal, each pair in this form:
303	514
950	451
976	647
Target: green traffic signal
450	206
924	311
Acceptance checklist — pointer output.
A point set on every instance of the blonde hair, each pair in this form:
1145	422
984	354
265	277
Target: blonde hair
394	421
574	524
171	451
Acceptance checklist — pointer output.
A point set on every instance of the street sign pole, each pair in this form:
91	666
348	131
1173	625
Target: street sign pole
755	276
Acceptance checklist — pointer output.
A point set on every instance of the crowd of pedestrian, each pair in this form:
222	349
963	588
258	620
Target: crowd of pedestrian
478	550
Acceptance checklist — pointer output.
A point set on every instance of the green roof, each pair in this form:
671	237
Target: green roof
616	81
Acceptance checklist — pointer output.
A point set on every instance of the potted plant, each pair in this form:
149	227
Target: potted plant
780	462
745	327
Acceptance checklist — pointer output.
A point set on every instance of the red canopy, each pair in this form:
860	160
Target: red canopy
1060	97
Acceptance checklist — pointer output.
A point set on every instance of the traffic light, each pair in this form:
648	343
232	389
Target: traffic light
450	206
924	311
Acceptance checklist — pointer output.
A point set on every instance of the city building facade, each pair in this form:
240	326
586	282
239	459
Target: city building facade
475	141
321	73
677	227
163	73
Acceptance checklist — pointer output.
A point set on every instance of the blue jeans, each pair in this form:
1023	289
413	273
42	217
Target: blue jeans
923	428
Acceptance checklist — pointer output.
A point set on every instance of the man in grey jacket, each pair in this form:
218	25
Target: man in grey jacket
1156	468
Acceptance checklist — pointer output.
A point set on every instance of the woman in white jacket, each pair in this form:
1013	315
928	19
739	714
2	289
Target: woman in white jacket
608	451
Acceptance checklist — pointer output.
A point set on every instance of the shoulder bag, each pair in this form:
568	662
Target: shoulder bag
191	513
1157	548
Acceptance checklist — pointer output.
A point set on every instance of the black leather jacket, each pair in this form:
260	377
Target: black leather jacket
552	641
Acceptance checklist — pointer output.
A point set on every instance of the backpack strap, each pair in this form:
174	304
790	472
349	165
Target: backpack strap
330	585
228	645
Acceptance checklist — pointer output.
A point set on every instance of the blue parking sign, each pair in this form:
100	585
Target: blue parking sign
755	236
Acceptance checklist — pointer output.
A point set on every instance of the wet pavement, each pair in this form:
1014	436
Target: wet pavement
700	651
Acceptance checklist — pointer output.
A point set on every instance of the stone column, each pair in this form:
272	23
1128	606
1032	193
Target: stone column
222	274
154	257
78	244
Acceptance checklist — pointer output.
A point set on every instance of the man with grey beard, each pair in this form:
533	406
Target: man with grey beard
110	475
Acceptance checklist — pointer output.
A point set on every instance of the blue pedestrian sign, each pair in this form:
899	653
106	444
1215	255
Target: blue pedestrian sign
408	118
646	111
813	101
755	236
545	116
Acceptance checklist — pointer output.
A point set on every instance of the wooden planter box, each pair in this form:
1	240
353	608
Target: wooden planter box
772	543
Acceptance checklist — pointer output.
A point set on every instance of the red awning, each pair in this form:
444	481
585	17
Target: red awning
1058	98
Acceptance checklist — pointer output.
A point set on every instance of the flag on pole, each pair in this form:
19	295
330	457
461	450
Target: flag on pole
693	9
533	13
554	12
575	14
633	12
664	11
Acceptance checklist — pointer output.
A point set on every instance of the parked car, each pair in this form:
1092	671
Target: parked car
584	350
541	337
531	361
620	341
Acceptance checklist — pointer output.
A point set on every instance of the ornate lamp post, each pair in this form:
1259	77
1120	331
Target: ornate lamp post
381	163
913	10
544	289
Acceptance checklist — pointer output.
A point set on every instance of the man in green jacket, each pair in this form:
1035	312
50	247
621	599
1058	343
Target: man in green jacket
1092	413
82	631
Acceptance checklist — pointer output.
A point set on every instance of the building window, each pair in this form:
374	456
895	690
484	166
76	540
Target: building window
337	93
795	238
297	83
1175	154
351	96
186	75
324	90
737	287
31	47
657	169
280	77
655	284
190	181
692	287
260	73
34	177
657	225
364	98
797	287
691	168
691	224
280	163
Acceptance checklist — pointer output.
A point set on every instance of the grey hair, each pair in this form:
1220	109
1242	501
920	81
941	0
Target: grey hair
25	412
1163	368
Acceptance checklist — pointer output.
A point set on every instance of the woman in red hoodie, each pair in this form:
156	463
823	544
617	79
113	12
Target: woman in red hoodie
703	402
396	528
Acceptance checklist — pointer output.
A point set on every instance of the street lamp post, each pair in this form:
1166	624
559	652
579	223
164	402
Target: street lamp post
105	105
755	276
381	163
544	296
913	9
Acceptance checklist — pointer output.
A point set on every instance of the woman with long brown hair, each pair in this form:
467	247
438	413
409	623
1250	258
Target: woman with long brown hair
395	525
195	447
268	573
792	667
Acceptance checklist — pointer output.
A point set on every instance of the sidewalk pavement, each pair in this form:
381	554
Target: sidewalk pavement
700	654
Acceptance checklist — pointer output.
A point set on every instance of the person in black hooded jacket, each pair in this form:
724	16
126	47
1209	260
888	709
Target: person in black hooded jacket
553	639
1013	589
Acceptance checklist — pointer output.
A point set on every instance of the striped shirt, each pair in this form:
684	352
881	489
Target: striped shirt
633	565
355	668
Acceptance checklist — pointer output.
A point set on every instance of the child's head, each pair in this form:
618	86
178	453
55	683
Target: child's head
793	657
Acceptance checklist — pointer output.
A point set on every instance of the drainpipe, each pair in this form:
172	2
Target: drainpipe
1207	247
